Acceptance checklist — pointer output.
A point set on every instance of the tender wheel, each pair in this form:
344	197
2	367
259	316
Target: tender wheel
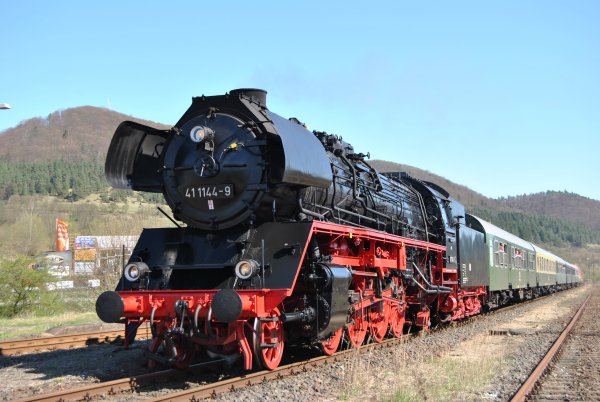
330	345
378	321
268	341
357	331
397	319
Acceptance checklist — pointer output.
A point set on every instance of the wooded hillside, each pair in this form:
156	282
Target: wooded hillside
80	134
558	204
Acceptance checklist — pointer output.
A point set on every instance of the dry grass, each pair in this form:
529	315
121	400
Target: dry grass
417	373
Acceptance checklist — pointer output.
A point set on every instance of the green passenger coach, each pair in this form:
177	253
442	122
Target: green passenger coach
518	269
510	259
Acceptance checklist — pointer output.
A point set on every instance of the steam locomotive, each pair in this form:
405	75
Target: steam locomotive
290	237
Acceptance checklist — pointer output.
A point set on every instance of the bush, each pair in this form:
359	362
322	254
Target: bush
23	289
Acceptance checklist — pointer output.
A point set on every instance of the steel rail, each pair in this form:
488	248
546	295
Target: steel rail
232	384
121	385
104	388
24	346
131	384
536	375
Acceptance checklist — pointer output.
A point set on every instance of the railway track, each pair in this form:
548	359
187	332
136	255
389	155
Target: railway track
142	382
569	371
115	387
34	345
131	384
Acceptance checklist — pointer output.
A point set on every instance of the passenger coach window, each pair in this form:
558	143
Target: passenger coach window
496	253
501	256
531	261
518	258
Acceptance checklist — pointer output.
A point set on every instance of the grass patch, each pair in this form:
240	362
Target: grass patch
417	373
451	378
403	395
24	326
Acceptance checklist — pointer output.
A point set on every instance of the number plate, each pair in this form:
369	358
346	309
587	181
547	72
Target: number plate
209	192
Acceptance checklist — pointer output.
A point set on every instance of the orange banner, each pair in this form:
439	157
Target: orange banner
62	236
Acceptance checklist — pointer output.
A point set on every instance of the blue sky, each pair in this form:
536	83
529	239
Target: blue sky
503	97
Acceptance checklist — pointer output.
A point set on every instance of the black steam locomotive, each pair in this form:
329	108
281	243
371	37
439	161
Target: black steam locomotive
290	236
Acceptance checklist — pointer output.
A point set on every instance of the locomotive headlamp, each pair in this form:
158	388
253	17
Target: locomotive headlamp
202	133
245	269
135	271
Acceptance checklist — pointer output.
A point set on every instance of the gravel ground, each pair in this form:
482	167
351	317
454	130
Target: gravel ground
462	362
27	375
575	375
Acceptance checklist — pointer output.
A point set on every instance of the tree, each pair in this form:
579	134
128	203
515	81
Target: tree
24	288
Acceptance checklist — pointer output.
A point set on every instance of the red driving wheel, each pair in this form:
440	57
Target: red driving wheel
378	321
268	341
397	319
357	331
331	344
